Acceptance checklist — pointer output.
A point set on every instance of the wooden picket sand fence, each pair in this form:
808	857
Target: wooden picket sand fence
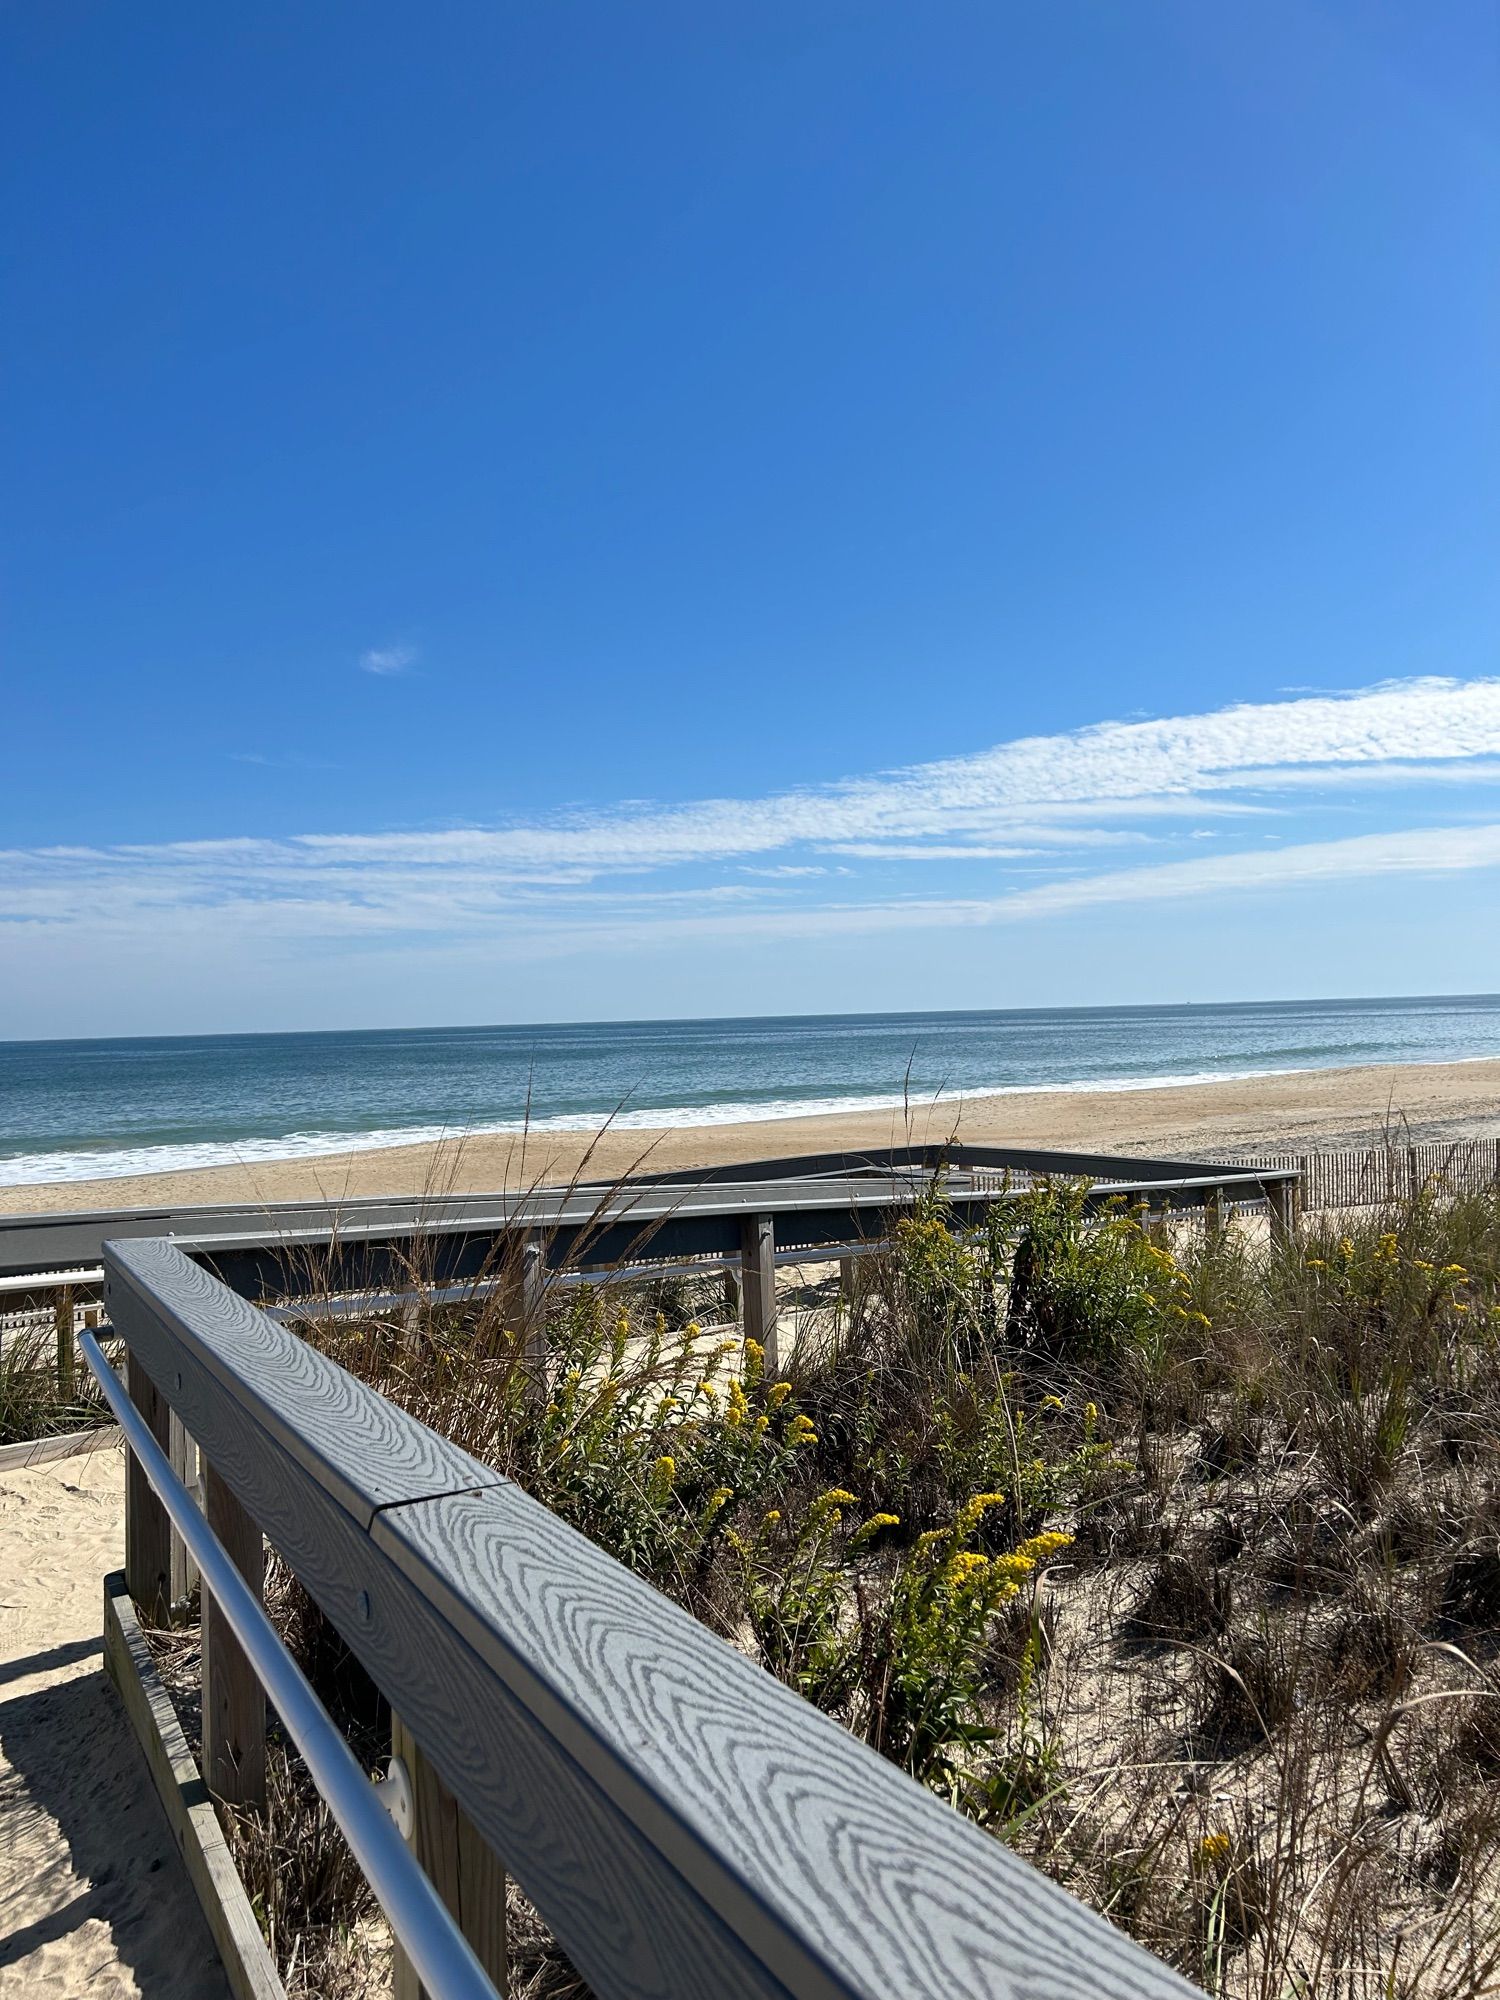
1369	1177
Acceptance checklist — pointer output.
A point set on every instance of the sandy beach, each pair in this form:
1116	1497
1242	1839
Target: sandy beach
93	1896
1302	1111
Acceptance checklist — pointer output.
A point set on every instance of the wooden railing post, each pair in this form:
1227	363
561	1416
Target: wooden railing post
464	1870
148	1530
758	1284
234	1708
523	1305
66	1355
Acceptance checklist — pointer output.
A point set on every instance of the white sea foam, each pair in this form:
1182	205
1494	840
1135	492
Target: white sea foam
114	1163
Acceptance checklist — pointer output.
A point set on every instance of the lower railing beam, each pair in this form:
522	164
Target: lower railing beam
465	1871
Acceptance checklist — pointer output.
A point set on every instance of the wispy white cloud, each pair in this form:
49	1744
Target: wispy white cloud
1053	805
388	660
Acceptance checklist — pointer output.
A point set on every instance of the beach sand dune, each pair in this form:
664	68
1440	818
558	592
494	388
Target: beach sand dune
1294	1112
94	1898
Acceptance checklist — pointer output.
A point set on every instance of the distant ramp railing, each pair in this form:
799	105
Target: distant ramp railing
685	1824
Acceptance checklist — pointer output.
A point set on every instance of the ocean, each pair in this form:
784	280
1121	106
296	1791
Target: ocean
81	1109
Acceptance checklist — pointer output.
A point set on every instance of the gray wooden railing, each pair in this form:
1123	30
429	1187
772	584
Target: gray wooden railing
685	1824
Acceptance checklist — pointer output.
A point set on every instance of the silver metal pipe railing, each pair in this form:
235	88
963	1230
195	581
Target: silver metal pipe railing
438	1950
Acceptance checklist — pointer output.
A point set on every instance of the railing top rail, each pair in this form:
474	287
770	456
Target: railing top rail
685	1823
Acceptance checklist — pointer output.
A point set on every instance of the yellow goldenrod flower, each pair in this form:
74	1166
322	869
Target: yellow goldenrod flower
961	1566
1052	1402
777	1394
717	1500
1214	1850
1037	1548
1453	1271
659	1488
873	1527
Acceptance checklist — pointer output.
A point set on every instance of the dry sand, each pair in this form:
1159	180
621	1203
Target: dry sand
94	1898
1300	1112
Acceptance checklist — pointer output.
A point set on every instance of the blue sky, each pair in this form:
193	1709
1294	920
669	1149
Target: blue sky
534	512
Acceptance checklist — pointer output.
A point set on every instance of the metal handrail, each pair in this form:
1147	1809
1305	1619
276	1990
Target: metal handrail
438	1950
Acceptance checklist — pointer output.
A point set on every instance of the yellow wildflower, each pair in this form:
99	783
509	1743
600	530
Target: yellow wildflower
1052	1402
1214	1851
659	1487
1037	1548
777	1394
716	1500
873	1527
961	1566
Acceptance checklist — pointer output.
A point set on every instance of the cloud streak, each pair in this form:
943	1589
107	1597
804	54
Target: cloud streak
1057	807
